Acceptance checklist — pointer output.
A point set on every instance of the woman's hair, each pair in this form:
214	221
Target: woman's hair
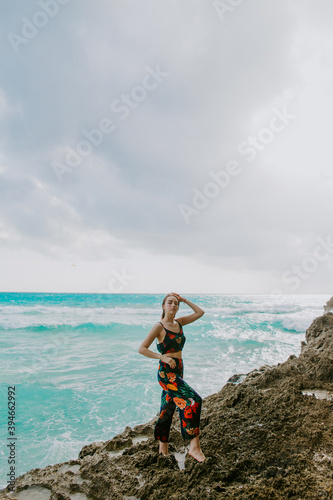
169	295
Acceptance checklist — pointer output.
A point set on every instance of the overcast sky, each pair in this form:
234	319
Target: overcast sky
154	146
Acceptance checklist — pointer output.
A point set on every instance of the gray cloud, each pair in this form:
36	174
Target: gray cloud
223	81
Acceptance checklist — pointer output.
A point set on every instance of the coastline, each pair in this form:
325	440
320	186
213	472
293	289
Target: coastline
266	434
236	335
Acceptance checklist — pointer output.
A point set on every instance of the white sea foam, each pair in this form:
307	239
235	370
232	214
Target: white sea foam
298	322
15	317
219	307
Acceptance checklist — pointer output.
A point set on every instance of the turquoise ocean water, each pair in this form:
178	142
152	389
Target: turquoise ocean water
78	376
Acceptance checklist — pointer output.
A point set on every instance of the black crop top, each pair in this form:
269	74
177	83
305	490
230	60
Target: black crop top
172	342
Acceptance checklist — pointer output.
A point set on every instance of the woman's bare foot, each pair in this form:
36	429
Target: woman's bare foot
197	454
163	448
195	450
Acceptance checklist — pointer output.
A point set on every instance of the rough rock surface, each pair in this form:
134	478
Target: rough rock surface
266	435
328	307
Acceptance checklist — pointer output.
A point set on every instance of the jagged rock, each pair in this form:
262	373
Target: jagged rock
328	307
320	327
90	449
266	435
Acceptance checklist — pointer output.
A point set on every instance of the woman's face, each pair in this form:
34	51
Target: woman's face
171	304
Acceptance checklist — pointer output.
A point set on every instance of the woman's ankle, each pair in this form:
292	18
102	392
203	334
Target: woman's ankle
163	448
194	444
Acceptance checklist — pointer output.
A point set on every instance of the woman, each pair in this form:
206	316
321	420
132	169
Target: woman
176	392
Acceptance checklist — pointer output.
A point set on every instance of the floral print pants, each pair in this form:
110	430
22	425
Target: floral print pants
177	393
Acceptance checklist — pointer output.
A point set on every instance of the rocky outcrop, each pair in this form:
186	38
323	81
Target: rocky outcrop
266	435
328	307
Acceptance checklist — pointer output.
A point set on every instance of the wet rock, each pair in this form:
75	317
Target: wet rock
168	461
320	327
90	449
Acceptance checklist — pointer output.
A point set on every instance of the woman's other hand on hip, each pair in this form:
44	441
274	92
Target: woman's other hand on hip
170	361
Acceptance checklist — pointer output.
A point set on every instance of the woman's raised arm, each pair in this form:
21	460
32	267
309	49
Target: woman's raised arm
198	312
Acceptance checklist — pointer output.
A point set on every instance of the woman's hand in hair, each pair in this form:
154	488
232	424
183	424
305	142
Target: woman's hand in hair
179	297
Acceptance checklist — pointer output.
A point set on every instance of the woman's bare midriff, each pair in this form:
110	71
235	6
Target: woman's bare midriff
177	354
